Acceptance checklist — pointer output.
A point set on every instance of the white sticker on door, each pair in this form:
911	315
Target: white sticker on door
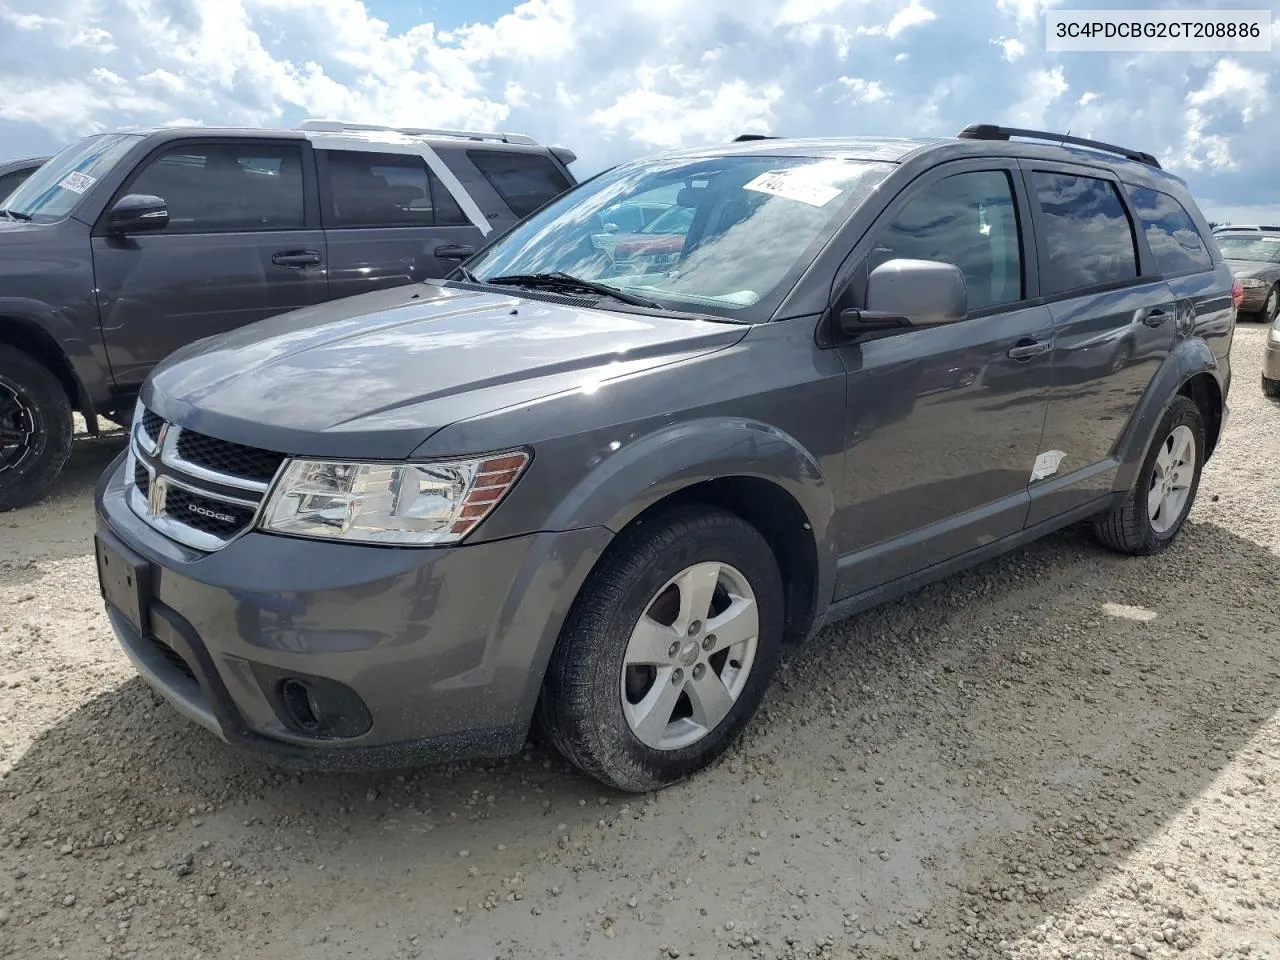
1047	464
77	182
794	185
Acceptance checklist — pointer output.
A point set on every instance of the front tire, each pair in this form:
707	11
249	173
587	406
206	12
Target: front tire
35	428
668	650
1155	508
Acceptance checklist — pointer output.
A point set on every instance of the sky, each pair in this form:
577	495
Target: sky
616	79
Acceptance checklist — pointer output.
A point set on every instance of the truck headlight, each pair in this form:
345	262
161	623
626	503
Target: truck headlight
405	504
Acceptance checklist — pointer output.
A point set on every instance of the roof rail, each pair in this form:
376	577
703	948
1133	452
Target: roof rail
343	126
743	138
1255	228
991	131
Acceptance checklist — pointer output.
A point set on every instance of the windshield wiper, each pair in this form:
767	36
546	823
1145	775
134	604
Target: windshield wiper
559	280
17	215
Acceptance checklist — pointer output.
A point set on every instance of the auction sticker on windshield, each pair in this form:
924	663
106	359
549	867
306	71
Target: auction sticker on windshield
794	185
77	182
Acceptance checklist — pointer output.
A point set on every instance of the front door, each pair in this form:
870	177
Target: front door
945	421
240	246
1115	321
389	220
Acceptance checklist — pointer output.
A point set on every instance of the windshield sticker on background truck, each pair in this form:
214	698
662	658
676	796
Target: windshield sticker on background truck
794	185
77	182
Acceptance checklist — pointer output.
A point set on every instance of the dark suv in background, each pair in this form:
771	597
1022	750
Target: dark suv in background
399	527
126	246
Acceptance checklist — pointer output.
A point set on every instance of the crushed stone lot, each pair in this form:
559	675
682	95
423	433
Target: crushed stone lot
1062	753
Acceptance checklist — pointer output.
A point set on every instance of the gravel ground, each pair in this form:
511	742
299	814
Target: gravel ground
1060	754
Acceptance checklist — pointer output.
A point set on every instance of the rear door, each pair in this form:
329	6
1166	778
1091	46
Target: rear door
1114	324
389	218
243	243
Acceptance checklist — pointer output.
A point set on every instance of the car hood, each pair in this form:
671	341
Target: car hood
376	375
1261	269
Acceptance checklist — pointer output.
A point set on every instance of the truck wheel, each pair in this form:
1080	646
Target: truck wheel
35	428
1154	509
1271	388
668	650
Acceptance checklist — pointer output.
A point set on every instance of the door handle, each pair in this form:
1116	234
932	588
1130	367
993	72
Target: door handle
296	258
1027	348
453	251
1154	317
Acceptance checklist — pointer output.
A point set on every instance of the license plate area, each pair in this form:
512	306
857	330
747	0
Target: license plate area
125	580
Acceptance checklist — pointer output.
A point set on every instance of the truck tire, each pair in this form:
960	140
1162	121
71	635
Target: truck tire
641	691
1154	509
35	428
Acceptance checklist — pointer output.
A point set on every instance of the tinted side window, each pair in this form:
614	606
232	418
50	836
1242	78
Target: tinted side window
227	186
1171	233
11	181
385	190
1088	239
525	181
970	220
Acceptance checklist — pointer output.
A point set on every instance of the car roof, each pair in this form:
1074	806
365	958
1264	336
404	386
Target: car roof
381	135
900	149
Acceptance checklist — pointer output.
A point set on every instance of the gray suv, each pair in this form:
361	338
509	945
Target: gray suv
549	491
126	246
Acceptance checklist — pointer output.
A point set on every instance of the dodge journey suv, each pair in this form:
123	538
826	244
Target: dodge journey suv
549	491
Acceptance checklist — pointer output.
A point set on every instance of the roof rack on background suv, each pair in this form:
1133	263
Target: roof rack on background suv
1257	228
992	131
343	126
743	138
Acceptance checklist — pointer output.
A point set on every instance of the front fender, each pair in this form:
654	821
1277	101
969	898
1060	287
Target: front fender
691	452
49	325
1188	359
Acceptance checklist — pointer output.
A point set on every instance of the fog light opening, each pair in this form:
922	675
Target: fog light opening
301	705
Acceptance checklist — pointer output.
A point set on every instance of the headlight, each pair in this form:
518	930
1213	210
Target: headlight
410	504
1252	282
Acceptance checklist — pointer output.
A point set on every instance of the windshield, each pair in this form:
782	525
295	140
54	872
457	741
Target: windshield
1265	249
54	191
732	233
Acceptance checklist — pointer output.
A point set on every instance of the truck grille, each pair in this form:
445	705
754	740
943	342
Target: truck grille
196	489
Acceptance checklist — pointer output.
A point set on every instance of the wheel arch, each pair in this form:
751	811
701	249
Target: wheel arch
24	326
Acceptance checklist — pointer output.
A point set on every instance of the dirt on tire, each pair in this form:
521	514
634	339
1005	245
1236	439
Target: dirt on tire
1061	753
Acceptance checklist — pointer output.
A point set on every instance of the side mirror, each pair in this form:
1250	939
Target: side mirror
910	293
136	213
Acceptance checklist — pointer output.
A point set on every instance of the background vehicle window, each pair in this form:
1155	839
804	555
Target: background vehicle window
226	187
386	190
10	182
525	181
969	220
1171	233
1265	249
1087	234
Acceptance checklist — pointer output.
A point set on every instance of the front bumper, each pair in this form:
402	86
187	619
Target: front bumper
444	648
1271	355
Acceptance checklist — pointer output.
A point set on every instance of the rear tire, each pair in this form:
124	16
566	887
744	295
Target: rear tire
35	428
1152	513
1271	388
636	720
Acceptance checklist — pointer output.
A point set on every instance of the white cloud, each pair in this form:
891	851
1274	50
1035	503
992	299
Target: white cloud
94	38
912	15
1087	98
1012	48
859	90
1042	89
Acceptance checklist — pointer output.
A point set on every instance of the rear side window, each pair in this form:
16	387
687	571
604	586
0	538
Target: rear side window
968	220
1088	239
525	181
10	182
227	186
386	190
1171	233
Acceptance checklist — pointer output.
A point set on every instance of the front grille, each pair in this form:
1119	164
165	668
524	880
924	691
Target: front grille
196	489
206	514
151	424
234	459
173	658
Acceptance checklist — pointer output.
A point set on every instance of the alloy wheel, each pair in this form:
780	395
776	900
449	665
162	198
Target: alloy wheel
690	656
1175	467
17	428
